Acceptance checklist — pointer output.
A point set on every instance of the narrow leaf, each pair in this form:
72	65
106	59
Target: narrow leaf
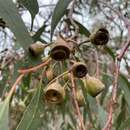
125	86
59	12
31	116
125	124
9	13
32	6
102	116
37	35
82	29
110	52
4	114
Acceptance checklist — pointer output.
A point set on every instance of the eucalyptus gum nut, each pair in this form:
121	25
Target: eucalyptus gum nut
94	86
37	48
80	98
61	50
54	93
100	37
79	69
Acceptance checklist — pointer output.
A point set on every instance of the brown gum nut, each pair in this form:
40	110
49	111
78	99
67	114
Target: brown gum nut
79	70
55	93
61	50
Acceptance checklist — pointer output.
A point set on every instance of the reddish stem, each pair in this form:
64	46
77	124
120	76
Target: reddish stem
33	69
15	84
108	124
76	103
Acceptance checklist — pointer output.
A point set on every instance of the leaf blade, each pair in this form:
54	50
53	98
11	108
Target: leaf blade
9	13
4	113
31	113
59	11
32	6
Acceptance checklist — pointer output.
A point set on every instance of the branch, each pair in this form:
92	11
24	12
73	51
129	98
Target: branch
124	49
76	103
59	76
33	69
127	25
97	64
71	19
13	88
108	124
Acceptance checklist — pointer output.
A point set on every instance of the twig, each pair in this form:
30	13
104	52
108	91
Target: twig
24	71
86	41
59	76
33	69
127	25
71	19
80	43
97	64
108	124
76	103
124	49
13	88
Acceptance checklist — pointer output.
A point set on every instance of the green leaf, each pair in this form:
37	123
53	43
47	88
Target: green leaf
107	80
102	116
9	13
31	117
32	6
82	29
59	12
125	86
125	124
37	35
4	114
122	115
110	52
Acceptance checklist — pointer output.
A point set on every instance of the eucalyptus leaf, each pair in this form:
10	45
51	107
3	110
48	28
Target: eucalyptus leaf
102	116
125	124
9	13
82	29
58	13
125	86
37	35
4	114
110	52
122	115
31	116
32	6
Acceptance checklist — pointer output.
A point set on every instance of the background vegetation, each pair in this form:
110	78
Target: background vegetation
24	77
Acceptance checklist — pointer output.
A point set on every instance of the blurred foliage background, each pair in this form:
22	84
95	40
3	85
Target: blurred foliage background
24	22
